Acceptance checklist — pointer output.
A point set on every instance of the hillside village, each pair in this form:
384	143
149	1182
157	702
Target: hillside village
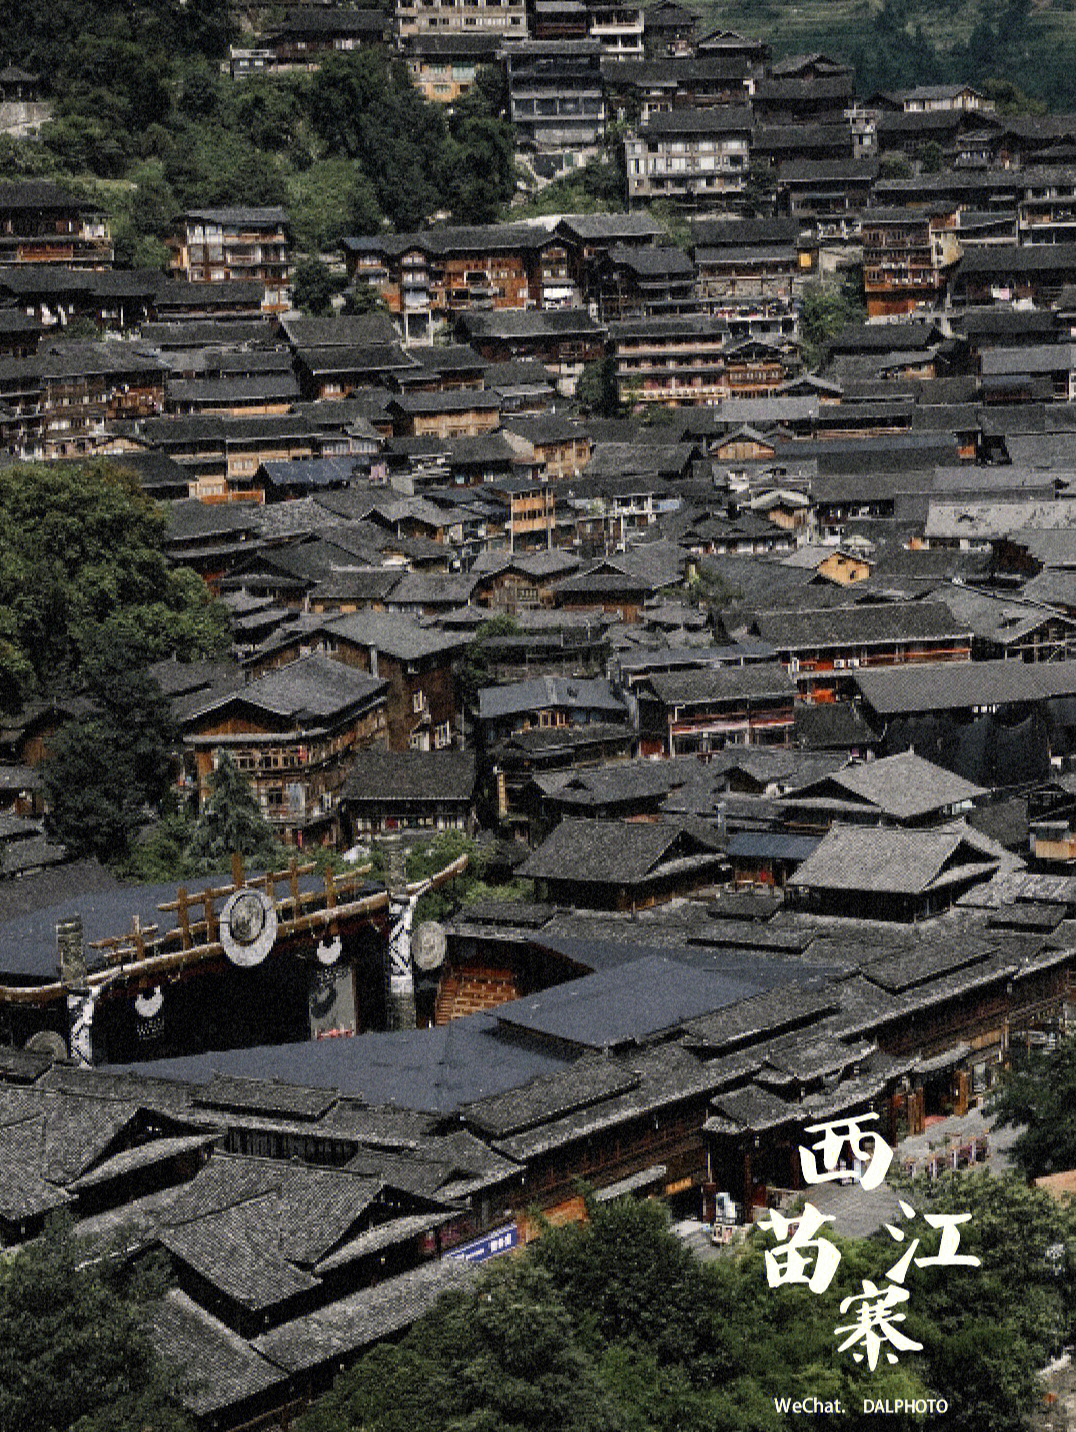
649	656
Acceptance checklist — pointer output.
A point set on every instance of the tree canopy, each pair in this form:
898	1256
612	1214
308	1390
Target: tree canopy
1039	1099
75	1356
655	1341
86	594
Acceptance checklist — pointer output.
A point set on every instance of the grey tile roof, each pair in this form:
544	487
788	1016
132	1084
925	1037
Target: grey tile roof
607	851
24	1191
940	686
858	625
214	1369
545	692
891	860
421	776
758	681
314	688
157	1151
353	1323
756	1109
264	1096
630	1003
903	786
393	633
381	1236
586	1081
235	1251
781	1008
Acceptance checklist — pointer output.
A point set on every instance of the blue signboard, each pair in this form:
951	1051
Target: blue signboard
502	1240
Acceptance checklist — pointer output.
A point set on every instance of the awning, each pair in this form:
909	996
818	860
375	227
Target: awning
937	1062
653	1175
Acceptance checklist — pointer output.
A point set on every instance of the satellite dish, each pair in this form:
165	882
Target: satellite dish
328	954
149	1003
48	1041
429	946
248	926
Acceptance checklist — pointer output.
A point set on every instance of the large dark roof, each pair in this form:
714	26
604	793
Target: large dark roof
674	123
529	323
758	681
411	776
392	633
424	1069
609	852
627	1004
887	860
213	1367
312	689
940	686
858	625
38	194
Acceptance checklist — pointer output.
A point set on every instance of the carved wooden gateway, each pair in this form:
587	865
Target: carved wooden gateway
284	955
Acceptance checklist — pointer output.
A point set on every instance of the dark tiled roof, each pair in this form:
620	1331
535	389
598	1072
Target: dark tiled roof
421	776
757	681
858	625
345	1327
938	686
887	860
214	1369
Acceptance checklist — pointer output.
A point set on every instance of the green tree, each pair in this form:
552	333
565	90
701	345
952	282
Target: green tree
597	391
474	666
313	286
105	771
502	1356
329	200
75	1356
231	823
986	1330
86	594
933	157
826	309
894	166
1039	1099
363	298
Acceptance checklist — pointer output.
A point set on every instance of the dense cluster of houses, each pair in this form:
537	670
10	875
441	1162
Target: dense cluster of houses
775	738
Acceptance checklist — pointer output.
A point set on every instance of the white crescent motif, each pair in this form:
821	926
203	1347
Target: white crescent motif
328	954
150	1002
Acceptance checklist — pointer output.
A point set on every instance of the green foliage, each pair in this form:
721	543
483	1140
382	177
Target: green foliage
760	188
478	882
894	166
709	589
328	200
343	148
597	391
598	187
473	671
986	1330
75	1356
500	1357
86	595
231	823
826	309
313	286
417	162
673	222
1039	1098
104	770
362	298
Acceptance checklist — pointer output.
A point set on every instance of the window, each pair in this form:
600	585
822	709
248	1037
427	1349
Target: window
418	701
